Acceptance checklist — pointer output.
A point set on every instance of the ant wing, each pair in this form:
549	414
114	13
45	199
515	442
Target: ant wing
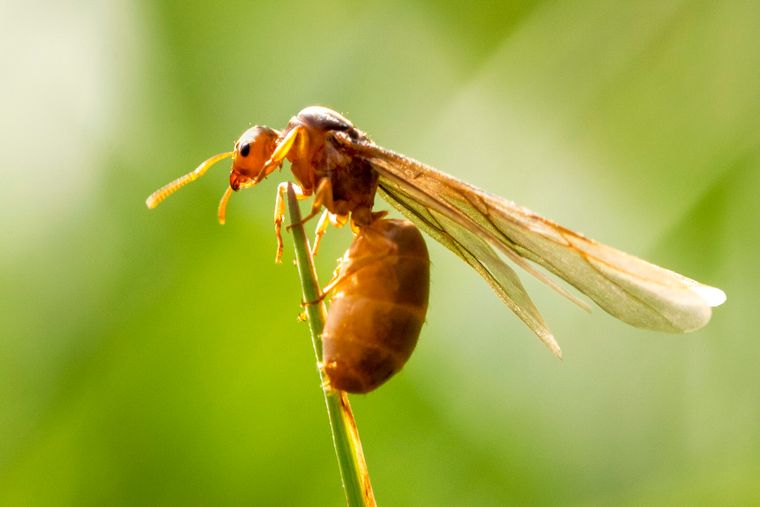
632	290
477	253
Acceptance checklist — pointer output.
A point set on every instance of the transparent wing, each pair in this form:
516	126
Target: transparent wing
631	289
478	254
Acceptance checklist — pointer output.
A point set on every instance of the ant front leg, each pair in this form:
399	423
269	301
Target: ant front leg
279	213
291	139
323	196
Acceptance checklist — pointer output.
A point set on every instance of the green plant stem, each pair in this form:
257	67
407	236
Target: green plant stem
348	447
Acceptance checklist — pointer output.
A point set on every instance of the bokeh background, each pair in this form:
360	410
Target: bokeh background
154	357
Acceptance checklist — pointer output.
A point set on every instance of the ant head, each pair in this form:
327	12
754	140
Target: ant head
252	151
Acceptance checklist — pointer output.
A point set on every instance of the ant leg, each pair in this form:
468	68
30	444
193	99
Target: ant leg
325	292
327	289
322	197
281	151
279	213
325	220
322	225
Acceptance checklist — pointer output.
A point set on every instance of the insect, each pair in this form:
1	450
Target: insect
343	169
379	298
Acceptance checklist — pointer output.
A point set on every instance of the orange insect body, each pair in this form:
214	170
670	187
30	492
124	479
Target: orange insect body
343	169
314	156
378	306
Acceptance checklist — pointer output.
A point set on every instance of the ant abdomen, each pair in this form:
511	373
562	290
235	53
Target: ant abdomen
379	301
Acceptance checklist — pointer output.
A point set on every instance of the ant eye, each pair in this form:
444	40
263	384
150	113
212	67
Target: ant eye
245	149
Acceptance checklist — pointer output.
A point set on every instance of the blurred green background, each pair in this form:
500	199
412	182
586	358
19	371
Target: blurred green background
154	357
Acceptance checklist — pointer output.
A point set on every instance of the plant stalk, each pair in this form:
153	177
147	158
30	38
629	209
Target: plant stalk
348	447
